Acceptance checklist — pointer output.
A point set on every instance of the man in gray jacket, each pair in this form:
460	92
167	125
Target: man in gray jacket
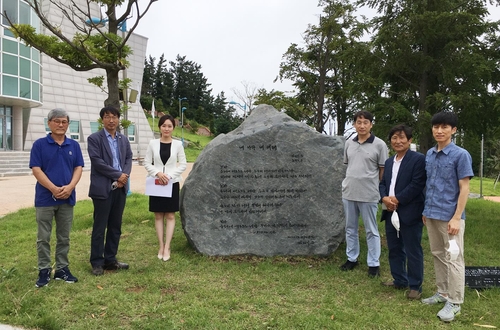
111	163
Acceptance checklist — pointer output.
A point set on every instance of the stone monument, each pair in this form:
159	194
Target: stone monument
270	187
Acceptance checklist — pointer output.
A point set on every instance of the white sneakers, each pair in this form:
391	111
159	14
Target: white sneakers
448	312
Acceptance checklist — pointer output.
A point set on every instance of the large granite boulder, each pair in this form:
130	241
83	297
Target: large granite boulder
270	187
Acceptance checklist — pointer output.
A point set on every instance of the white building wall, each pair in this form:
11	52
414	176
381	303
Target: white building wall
68	89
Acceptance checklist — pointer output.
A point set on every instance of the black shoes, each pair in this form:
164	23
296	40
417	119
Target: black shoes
97	270
349	265
373	271
65	275
43	277
115	266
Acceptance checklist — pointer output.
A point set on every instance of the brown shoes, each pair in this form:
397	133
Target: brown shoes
390	284
414	295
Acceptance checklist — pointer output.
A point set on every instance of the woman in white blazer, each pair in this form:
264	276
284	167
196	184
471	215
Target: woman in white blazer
161	159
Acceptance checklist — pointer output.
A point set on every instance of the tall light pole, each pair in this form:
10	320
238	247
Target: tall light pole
244	107
181	111
182	126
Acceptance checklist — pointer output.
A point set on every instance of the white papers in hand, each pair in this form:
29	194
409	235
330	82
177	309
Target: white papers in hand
153	189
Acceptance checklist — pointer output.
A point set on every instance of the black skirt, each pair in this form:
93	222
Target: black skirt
165	204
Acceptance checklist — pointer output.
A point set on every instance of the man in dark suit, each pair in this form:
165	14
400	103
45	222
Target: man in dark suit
402	190
111	163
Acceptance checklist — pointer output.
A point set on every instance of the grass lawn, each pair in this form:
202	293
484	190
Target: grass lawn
488	185
192	291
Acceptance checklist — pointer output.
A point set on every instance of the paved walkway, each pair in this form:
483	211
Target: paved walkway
9	327
17	192
492	198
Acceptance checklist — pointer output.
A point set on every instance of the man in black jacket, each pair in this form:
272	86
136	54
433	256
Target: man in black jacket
402	191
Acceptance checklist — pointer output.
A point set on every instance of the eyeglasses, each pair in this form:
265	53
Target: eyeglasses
59	122
110	117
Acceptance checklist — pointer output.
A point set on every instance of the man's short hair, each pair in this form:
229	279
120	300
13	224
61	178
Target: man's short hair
363	113
109	110
446	118
401	128
57	113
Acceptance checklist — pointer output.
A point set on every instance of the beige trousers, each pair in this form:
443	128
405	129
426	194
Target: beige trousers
450	275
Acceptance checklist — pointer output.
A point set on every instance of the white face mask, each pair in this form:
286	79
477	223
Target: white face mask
453	249
395	221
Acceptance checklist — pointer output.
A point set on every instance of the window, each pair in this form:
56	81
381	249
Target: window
35	21
10	46
74	129
10	8
35	68
94	126
24	51
10	86
131	133
24	13
20	66
25	89
46	122
24	68
10	64
35	91
35	54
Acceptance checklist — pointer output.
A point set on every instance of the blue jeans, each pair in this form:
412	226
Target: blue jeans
368	212
63	215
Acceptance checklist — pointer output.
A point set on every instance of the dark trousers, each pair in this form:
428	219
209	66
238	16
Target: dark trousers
406	257
107	224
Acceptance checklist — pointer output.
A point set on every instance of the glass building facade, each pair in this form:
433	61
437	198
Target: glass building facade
20	70
20	65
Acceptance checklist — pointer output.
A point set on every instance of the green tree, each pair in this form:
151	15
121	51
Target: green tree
287	104
157	84
325	70
226	120
190	82
148	76
170	81
163	84
92	46
438	55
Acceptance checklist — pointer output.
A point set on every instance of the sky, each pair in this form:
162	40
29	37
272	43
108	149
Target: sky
234	41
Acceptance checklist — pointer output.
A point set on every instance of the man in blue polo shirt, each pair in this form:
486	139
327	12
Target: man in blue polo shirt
57	163
449	170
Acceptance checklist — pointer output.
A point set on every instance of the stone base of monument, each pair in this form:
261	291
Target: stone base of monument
270	187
